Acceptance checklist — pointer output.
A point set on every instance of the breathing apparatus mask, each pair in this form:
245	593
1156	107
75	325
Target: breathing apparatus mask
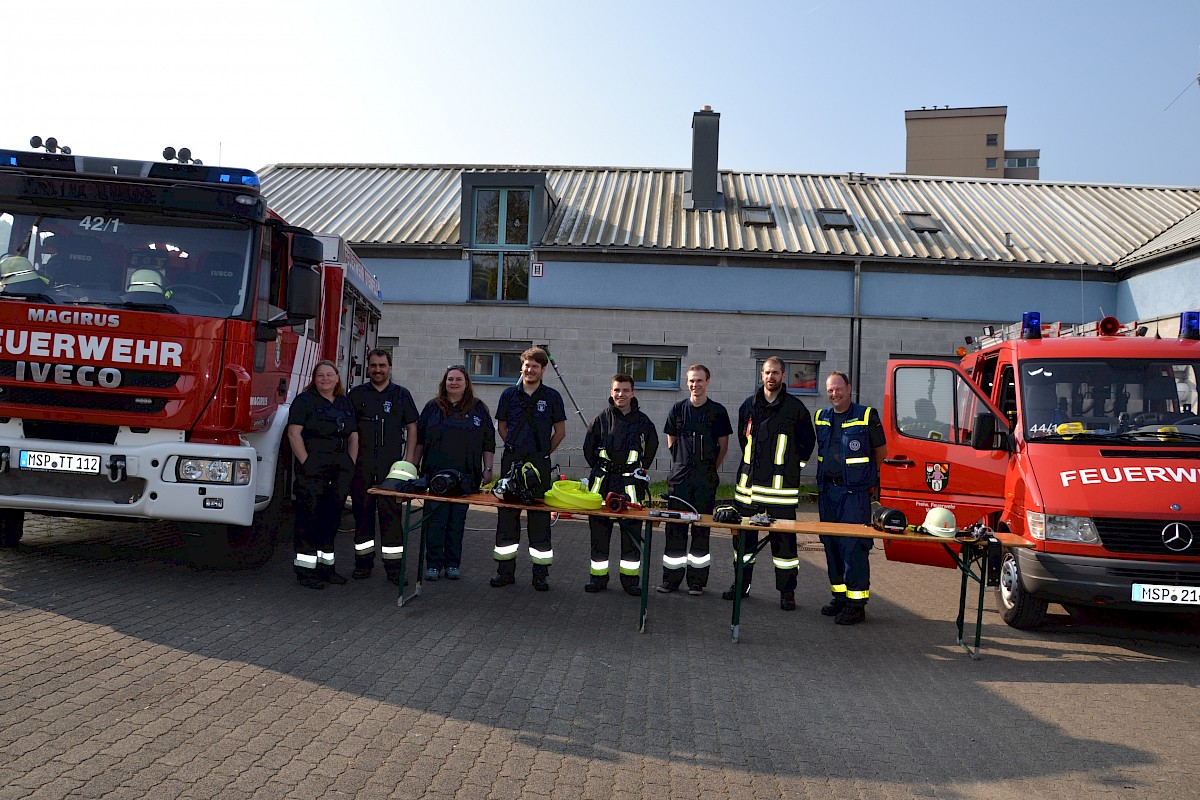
520	485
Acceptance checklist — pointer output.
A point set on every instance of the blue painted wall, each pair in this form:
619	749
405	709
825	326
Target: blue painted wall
798	291
968	297
1162	293
675	287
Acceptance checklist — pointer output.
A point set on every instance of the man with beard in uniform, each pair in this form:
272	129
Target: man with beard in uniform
387	433
776	434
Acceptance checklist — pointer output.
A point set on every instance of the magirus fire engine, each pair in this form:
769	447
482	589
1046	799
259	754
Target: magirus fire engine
1083	440
156	322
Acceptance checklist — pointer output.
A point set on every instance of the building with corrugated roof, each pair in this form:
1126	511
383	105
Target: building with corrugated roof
649	270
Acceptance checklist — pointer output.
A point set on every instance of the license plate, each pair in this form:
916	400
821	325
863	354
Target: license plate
46	461
1154	593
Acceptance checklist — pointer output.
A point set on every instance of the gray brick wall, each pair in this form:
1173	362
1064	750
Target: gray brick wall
581	341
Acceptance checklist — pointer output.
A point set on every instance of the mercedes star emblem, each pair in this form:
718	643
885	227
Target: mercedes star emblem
1177	537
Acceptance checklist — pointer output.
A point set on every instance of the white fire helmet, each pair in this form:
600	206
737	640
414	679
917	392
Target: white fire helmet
940	522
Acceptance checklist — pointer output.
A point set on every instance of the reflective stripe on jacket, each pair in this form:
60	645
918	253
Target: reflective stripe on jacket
859	469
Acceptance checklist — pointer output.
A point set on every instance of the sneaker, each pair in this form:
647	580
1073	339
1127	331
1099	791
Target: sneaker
432	574
334	578
310	582
360	573
695	591
851	615
595	585
787	601
833	607
634	589
452	573
729	593
501	579
540	584
667	588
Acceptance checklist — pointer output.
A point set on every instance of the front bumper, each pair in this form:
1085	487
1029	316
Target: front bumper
145	489
1101	581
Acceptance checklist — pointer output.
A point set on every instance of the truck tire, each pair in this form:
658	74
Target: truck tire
12	526
1019	609
239	546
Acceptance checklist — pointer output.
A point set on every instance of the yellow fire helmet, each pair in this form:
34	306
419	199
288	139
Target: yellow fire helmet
571	494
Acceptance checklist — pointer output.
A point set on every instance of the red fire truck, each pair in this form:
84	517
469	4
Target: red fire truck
1085	441
156	322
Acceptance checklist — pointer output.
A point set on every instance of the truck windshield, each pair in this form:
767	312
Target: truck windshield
1108	396
126	261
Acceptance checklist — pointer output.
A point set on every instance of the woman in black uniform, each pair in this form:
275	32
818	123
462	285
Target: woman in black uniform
455	431
324	439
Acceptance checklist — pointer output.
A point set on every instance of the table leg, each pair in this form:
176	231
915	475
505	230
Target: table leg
408	524
645	570
739	557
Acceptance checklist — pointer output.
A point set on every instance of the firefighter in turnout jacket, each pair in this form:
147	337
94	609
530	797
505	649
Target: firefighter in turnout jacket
850	447
776	434
619	447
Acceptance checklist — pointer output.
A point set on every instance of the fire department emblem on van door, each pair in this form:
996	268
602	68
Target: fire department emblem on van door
937	475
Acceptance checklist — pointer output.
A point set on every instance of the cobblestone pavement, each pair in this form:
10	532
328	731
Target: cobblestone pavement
128	674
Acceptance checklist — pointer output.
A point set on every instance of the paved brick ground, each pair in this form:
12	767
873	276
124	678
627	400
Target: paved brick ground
127	674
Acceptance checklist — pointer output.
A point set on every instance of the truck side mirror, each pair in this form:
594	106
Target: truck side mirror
307	250
303	292
985	435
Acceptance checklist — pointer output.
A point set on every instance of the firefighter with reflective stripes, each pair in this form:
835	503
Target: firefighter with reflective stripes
387	432
697	430
776	434
620	446
850	447
324	441
532	421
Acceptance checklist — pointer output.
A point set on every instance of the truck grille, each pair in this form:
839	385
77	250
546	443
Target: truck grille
81	487
92	400
1172	577
1144	536
130	378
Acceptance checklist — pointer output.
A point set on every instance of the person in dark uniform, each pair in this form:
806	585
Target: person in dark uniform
620	446
455	431
776	435
386	417
850	448
532	421
697	432
325	443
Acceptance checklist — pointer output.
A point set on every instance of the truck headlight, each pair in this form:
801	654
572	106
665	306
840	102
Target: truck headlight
1056	528
235	472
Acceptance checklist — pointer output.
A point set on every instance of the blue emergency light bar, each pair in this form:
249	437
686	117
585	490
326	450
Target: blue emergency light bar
1031	325
92	165
1189	325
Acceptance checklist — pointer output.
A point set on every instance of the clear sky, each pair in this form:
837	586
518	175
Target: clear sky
805	86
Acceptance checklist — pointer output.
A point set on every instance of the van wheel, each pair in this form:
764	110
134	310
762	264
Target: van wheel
12	526
1019	609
